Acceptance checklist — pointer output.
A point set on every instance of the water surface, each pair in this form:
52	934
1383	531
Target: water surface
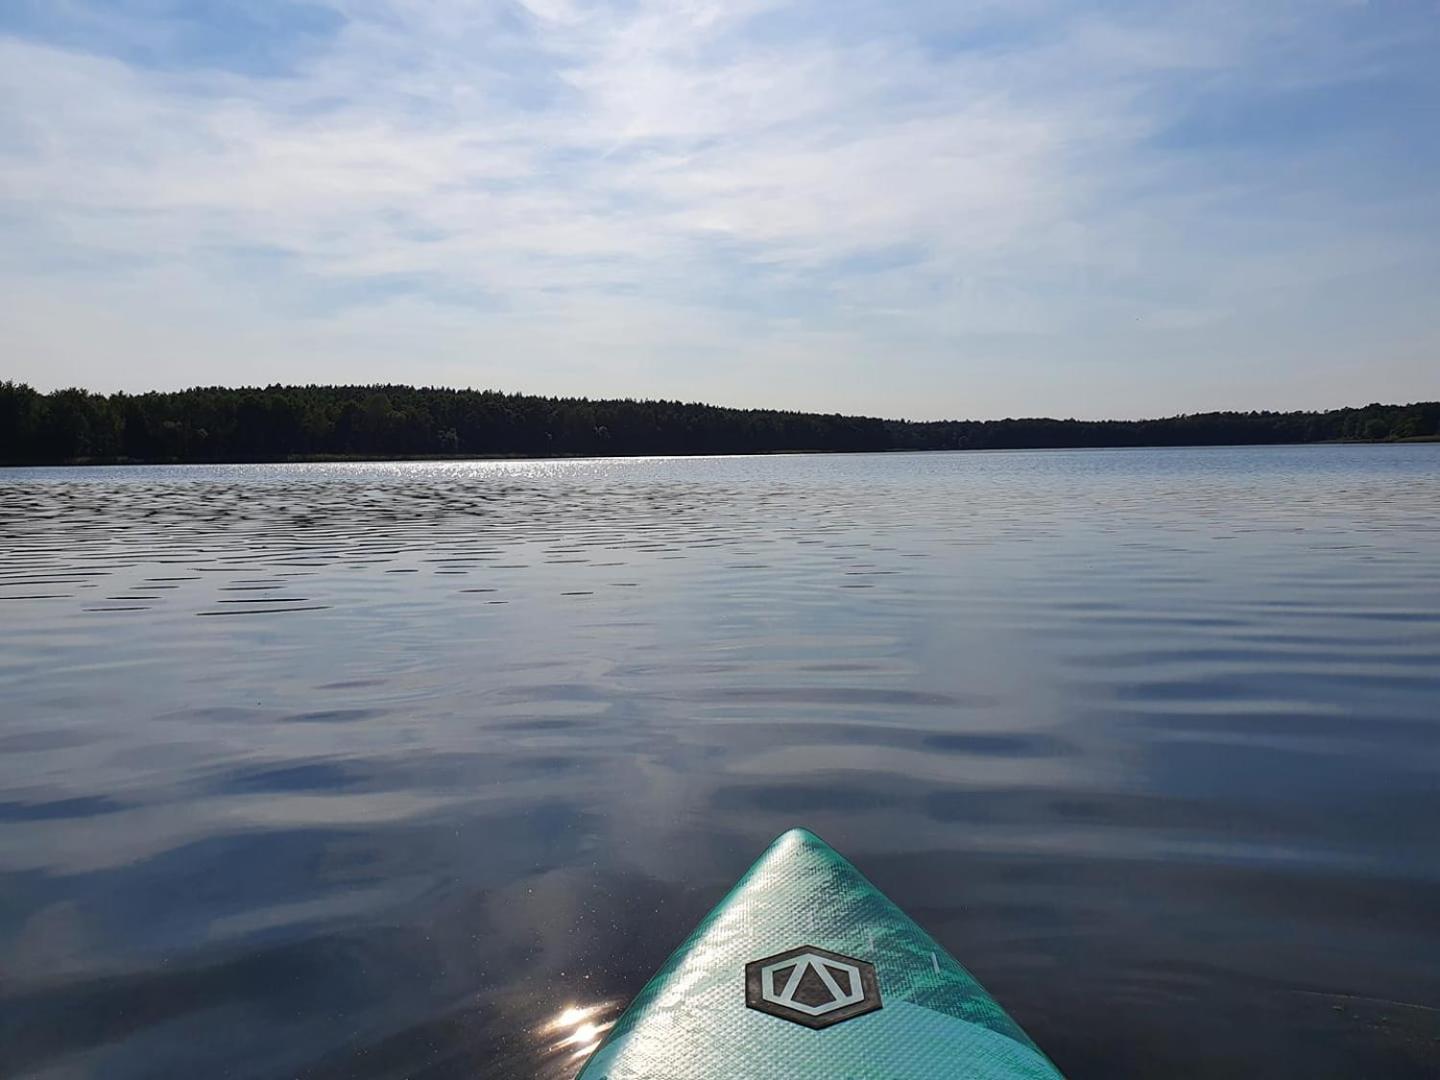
419	770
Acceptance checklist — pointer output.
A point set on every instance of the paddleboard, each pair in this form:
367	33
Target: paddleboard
806	971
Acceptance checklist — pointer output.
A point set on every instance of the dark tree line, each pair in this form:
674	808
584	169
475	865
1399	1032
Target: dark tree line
276	423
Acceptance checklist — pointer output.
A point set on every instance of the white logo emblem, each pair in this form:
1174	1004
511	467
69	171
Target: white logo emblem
812	984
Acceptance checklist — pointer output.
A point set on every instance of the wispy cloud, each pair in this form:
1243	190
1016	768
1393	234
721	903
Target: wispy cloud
926	209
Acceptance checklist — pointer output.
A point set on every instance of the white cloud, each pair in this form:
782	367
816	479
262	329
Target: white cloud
743	201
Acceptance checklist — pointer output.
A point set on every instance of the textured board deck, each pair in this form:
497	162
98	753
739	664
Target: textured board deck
806	971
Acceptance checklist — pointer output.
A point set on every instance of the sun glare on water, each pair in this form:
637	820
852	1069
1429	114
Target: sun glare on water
576	1030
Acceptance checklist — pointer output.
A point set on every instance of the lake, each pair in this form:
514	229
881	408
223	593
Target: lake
375	770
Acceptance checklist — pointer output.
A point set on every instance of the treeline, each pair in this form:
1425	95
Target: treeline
277	423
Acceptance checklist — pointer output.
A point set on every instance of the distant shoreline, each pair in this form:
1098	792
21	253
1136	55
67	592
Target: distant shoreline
276	424
400	459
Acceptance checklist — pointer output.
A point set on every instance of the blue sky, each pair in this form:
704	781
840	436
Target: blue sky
926	209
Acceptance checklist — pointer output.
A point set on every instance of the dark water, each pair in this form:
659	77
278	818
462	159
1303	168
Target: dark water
376	770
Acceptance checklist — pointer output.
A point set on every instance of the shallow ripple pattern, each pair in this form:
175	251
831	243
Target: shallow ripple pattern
373	770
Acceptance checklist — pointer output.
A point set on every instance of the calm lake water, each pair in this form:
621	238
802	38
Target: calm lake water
374	770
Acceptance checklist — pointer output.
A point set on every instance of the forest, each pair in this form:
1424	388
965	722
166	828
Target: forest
283	423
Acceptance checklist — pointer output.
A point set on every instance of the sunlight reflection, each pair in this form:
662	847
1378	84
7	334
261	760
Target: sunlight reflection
576	1030
571	1015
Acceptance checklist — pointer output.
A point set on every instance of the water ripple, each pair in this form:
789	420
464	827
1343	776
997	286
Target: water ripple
1147	738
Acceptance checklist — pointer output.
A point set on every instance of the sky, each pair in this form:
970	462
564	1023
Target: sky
915	208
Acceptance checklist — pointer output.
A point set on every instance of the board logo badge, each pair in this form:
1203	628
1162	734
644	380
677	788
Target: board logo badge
812	986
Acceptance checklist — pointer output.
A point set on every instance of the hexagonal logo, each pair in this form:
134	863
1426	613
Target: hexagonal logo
811	986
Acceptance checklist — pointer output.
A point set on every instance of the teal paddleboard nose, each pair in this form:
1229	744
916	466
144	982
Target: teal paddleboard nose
806	971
